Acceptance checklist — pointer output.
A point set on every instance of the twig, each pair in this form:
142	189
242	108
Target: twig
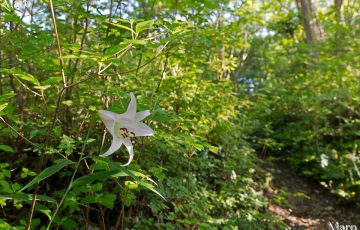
124	72
22	136
120	213
162	73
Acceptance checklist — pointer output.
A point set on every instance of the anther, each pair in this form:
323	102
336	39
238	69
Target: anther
124	129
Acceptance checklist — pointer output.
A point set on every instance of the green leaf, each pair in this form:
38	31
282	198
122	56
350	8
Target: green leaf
88	199
4	165
145	25
3	106
81	56
101	176
26	197
68	223
6	186
108	200
7	148
24	76
52	80
139	42
121	26
113	50
117	169
131	185
214	149
7	96
199	147
43	209
42	87
162	116
122	20
151	188
59	164
27	77
67	102
5	225
15	186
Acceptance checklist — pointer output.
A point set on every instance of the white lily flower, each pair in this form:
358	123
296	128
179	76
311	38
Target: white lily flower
123	126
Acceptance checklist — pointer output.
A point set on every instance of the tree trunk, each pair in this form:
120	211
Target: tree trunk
308	13
311	26
339	11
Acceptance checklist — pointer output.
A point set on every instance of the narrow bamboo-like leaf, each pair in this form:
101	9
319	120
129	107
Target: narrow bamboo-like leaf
121	170
59	164
122	20
43	209
116	49
139	174
27	77
26	197
3	106
139	42
121	26
119	167
24	76
6	96
7	148
113	166
101	176
151	188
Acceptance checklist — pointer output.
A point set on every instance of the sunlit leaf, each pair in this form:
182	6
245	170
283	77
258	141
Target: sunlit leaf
7	148
3	106
145	25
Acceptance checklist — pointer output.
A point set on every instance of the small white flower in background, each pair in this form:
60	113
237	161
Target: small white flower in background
324	160
123	126
233	175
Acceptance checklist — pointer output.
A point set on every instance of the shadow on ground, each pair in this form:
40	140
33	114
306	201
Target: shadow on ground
302	203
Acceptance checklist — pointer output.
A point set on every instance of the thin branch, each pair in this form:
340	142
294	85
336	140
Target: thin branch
127	71
71	180
58	42
162	73
22	136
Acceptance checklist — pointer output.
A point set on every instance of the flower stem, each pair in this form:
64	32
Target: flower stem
66	192
71	180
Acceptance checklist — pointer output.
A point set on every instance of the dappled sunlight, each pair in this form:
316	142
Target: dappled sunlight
179	114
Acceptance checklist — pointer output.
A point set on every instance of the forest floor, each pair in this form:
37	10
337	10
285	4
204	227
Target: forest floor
304	204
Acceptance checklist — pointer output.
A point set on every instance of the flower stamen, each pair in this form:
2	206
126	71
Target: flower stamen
124	130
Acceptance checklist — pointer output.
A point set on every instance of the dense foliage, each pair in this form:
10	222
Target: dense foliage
308	107
223	80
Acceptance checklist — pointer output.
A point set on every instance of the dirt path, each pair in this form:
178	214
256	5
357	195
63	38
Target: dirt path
303	204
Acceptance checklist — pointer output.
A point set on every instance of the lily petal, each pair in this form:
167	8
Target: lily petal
139	129
109	119
108	114
141	115
131	110
129	146
115	145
